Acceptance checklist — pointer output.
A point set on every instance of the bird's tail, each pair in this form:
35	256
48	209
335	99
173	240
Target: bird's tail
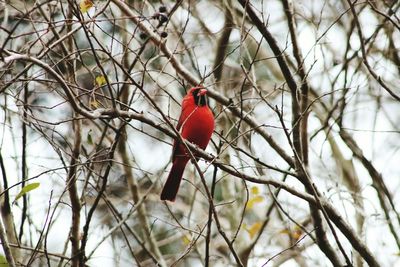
171	186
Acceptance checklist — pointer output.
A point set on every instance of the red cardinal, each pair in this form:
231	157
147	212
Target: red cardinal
196	125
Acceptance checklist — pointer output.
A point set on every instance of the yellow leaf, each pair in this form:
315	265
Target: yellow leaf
94	104
284	231
295	233
85	5
253	201
100	80
255	190
254	229
186	240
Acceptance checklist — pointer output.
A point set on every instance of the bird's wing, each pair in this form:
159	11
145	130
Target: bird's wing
178	128
181	118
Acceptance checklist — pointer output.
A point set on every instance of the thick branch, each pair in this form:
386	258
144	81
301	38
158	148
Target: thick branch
73	194
6	246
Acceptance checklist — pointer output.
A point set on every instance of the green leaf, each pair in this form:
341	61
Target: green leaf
26	189
3	261
89	137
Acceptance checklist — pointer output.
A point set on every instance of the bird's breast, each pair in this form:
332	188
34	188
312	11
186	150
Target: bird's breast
198	126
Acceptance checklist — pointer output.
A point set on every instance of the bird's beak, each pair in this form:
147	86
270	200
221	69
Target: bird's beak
202	92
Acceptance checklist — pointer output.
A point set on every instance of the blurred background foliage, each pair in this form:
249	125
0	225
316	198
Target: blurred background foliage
90	89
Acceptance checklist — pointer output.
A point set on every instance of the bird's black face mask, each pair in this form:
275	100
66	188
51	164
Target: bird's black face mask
199	100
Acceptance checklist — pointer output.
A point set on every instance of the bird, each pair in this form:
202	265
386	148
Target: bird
196	125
